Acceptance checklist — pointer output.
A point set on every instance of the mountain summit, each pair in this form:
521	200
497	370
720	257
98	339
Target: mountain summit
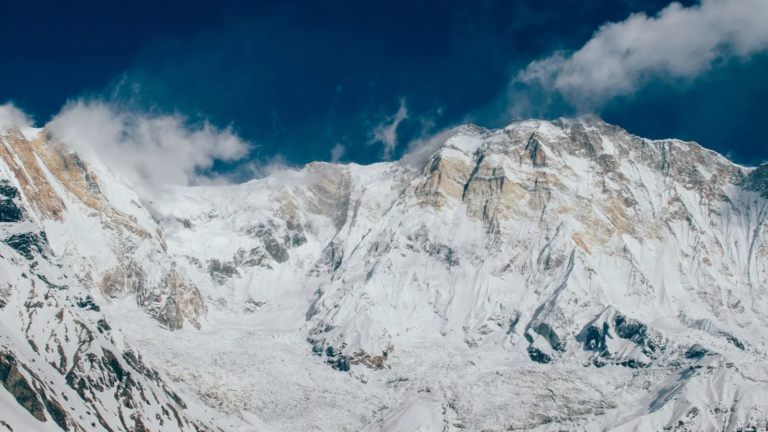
550	275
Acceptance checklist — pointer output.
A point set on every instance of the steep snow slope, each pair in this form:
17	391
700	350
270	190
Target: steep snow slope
62	366
548	275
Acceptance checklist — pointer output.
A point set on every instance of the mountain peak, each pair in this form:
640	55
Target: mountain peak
568	265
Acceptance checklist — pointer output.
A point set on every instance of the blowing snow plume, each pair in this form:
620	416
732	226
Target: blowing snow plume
677	43
10	116
149	150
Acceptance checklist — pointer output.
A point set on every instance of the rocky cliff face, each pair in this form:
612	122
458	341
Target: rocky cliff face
551	275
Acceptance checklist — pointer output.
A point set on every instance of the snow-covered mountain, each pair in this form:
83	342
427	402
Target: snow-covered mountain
561	275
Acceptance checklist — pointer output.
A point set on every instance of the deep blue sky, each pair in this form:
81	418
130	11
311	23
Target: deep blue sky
299	77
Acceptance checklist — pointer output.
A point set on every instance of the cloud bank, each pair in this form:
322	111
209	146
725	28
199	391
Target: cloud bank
386	132
149	150
677	43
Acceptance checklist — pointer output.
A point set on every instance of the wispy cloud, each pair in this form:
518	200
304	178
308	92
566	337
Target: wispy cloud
337	152
10	116
386	132
149	150
678	43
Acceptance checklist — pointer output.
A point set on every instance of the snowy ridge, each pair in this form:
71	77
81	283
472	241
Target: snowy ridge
62	365
561	275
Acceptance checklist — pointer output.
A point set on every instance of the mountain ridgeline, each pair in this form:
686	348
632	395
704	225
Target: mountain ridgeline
594	279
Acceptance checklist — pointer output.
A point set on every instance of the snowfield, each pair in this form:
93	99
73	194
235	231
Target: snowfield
548	276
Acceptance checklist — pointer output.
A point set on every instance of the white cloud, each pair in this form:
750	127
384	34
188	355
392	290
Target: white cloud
337	152
149	150
678	43
386	132
10	116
